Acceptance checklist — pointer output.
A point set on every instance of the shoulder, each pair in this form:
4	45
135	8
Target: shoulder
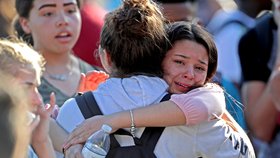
209	89
145	81
206	92
209	98
69	115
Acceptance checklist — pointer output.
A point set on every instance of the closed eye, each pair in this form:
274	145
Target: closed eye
201	68
178	62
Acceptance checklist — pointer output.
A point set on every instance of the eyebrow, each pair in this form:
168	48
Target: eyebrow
186	57
47	5
54	5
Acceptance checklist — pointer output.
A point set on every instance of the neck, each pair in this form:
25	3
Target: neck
59	71
57	59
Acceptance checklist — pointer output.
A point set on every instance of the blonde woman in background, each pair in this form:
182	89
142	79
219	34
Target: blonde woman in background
14	137
25	65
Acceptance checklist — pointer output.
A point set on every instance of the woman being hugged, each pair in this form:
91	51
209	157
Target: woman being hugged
200	124
53	28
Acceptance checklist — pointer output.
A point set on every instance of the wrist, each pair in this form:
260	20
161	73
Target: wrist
132	123
119	120
45	140
44	148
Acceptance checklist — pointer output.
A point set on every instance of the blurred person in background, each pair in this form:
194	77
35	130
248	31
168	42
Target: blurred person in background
227	27
7	12
178	10
109	5
259	56
53	27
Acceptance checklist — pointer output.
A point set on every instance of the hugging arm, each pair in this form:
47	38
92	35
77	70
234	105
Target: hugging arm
159	115
182	109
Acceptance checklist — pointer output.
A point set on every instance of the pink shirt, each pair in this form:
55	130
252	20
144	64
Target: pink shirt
201	104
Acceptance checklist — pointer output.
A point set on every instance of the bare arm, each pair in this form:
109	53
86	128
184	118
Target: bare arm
58	135
260	112
275	77
159	115
44	149
275	88
163	114
41	141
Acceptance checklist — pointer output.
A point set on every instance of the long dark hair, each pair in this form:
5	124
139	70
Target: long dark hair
186	30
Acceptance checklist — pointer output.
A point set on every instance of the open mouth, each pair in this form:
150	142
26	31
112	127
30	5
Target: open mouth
182	87
63	35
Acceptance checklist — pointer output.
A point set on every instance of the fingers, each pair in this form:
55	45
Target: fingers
82	132
94	78
74	151
52	99
34	122
52	109
74	141
79	135
91	80
55	112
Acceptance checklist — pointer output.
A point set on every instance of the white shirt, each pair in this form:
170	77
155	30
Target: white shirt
211	138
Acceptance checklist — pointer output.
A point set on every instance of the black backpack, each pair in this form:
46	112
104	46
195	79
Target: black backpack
144	146
265	25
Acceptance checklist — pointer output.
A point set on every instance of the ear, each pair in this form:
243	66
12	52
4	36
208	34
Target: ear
106	61
108	57
24	23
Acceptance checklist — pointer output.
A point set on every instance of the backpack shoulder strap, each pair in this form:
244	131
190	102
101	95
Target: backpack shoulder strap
87	104
151	135
89	108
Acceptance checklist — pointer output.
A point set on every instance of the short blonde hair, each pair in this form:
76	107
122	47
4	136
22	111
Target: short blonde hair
16	54
15	135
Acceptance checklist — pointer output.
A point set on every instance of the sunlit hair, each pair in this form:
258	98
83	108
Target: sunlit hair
16	54
134	35
183	30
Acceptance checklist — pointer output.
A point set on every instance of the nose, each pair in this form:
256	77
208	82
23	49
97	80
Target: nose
189	73
62	20
36	99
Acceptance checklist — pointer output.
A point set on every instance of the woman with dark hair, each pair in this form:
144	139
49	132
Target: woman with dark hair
53	27
198	106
